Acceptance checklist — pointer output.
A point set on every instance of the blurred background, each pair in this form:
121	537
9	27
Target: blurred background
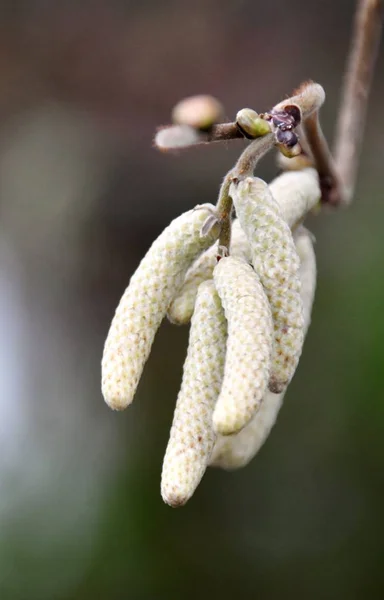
83	86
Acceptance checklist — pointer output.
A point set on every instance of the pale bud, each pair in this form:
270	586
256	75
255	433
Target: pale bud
251	124
176	136
199	112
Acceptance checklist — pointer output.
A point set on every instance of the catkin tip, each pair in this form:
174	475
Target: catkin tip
276	387
117	403
174	499
221	426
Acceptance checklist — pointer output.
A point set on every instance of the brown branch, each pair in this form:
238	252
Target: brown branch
309	97
184	136
359	73
332	189
244	167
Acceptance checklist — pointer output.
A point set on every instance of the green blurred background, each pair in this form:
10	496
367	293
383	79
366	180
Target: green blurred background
82	195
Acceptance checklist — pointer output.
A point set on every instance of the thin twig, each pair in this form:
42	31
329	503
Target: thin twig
244	167
332	189
360	67
183	136
309	97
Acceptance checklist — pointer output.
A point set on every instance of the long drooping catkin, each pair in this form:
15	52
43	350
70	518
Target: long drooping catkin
236	451
249	346
192	437
297	193
307	271
181	308
275	260
145	302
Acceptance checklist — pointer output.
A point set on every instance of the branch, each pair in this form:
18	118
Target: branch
359	73
307	99
244	167
332	189
183	136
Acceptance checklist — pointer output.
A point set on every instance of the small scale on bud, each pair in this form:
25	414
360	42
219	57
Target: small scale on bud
289	151
287	137
251	124
199	112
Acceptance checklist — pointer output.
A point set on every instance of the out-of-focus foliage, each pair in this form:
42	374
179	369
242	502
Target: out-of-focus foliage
82	196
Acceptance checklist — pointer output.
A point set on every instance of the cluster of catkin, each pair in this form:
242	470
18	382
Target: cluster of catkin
249	312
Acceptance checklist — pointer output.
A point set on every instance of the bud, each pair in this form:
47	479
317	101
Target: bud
249	346
192	437
289	151
199	112
176	136
145	302
275	260
181	309
251	125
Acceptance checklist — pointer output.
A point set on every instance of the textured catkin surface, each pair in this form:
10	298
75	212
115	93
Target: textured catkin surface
307	271
192	437
181	309
236	451
145	302
297	193
249	345
275	260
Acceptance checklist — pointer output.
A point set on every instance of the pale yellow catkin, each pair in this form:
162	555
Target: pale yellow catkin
235	451
308	271
249	346
275	260
144	303
297	193
232	452
181	308
192	436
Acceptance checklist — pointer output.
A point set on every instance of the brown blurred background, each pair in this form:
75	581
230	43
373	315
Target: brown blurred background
83	86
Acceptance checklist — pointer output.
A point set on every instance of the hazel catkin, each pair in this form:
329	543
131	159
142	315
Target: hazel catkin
145	302
233	452
192	436
275	260
181	308
249	345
